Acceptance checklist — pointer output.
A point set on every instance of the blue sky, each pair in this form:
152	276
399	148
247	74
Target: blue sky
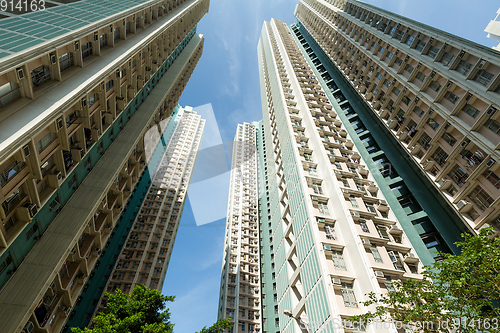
227	77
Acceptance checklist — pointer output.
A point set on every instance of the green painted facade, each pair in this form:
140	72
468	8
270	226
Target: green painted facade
428	221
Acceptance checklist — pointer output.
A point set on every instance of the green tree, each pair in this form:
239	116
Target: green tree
219	327
140	311
144	310
461	292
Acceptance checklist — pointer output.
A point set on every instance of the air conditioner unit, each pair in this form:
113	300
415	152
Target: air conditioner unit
411	255
379	274
383	202
33	209
355	214
394	227
28	328
328	247
336	281
461	55
366	242
53	59
461	204
67	310
490	163
26	151
20	73
60	123
491	111
77	46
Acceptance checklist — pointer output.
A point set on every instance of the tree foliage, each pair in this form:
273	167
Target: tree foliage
144	310
462	292
140	311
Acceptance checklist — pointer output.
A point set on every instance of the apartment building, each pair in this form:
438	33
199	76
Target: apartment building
144	258
327	234
240	294
493	30
436	94
81	85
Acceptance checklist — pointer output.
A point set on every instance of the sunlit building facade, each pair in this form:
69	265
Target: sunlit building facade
240	295
81	86
145	256
435	94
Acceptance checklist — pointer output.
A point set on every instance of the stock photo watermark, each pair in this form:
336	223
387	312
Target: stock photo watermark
453	325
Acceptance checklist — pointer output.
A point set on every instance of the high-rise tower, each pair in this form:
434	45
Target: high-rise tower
240	281
432	94
145	256
332	236
81	85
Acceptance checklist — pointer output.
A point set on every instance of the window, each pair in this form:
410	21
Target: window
390	55
451	97
440	156
480	198
449	139
10	171
418	111
376	255
323	208
379	76
338	260
363	225
483	77
337	165
413	269
493	178
9	92
434	86
330	232
382	232
5	263
399	61
93	99
109	84
388	284
345	182
353	201
409	68
46	141
458	175
432	123
317	188
420	76
396	91
396	260
433	51
410	40
370	207
406	100
471	111
493	125
463	67
387	83
312	171
348	295
399	34
420	45
447	59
